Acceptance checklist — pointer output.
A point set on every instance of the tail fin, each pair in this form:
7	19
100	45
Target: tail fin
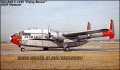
111	28
88	26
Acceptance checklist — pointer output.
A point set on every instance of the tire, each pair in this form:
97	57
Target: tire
22	49
45	48
66	48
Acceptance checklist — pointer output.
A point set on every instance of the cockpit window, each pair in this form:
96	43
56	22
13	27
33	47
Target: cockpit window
16	34
22	32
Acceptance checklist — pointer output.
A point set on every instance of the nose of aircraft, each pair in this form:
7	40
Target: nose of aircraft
15	39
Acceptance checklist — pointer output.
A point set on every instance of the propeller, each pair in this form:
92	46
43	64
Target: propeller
49	32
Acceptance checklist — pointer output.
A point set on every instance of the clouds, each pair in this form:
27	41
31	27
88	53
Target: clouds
61	15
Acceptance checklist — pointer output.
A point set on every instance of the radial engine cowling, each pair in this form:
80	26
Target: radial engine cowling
56	35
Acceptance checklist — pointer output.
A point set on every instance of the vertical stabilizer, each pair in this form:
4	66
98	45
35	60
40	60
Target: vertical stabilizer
111	26
110	33
88	26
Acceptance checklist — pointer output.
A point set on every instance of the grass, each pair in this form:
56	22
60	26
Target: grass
91	60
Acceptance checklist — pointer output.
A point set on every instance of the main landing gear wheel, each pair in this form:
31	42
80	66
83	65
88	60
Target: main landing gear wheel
66	48
22	49
45	48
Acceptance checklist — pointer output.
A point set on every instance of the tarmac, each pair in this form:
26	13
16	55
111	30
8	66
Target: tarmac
60	50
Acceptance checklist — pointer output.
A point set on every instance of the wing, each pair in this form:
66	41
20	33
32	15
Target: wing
84	33
90	34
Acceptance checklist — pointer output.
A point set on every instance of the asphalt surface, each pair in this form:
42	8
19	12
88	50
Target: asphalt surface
60	50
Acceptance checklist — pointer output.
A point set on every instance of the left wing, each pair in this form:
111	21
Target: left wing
84	33
93	34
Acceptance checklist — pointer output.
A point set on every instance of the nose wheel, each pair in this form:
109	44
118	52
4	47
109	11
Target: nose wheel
22	49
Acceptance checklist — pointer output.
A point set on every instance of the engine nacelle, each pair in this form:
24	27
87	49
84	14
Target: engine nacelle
56	35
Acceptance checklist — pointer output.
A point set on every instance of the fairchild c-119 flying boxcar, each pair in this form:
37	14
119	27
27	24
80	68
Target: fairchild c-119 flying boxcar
49	38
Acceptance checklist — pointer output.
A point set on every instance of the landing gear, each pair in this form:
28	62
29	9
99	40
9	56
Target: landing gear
22	49
66	48
45	48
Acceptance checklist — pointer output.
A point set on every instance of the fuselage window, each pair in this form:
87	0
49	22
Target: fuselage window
27	34
36	37
31	36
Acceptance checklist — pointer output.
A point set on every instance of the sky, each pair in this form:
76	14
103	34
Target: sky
60	15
